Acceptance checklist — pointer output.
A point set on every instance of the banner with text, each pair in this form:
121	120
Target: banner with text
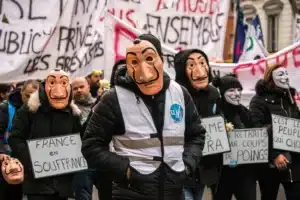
248	146
286	133
38	40
188	24
216	139
56	155
119	34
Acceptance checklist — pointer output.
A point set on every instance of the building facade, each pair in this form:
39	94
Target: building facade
277	21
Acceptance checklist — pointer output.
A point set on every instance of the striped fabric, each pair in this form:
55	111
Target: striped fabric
140	142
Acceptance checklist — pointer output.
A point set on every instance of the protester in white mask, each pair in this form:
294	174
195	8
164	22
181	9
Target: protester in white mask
275	96
281	78
237	180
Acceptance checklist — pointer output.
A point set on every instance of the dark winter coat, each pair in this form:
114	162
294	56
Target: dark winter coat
208	172
16	100
107	121
270	100
38	119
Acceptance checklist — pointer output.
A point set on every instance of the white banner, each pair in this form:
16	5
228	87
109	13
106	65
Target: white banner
216	139
118	35
248	146
286	133
185	24
56	155
50	35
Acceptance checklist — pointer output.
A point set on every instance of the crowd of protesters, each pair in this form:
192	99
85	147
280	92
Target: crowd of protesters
141	132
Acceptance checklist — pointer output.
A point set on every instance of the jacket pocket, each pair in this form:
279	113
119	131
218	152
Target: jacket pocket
175	177
144	183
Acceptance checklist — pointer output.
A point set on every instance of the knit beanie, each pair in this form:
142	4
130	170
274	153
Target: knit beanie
226	82
268	72
153	40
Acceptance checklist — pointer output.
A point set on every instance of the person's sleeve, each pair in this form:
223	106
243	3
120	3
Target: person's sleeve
261	117
101	127
19	135
258	112
194	134
3	125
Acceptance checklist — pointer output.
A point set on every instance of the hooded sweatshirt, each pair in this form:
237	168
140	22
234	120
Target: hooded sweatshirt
205	101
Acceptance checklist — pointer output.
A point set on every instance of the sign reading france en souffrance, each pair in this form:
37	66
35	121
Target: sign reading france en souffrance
176	112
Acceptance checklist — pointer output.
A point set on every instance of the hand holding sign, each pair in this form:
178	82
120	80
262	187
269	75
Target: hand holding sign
281	162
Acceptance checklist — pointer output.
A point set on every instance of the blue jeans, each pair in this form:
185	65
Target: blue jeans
193	193
83	184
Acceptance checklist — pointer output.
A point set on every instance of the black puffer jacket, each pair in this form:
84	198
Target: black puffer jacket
205	100
107	121
270	100
39	120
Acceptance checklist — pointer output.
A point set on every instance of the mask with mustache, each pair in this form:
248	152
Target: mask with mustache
58	88
145	67
197	70
281	78
233	96
12	170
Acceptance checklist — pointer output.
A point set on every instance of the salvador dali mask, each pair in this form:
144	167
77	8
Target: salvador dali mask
233	96
145	66
58	89
281	78
12	171
197	70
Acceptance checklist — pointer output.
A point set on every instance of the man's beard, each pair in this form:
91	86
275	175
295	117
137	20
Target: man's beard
81	99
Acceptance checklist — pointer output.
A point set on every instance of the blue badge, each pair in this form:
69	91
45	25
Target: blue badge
176	112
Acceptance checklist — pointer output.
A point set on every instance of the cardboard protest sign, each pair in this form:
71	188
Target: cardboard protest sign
54	156
248	146
216	139
286	133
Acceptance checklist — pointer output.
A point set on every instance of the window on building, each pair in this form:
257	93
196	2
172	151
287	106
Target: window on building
273	33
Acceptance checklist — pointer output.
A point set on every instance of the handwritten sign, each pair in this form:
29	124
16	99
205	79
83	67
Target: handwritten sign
216	140
56	155
248	146
286	133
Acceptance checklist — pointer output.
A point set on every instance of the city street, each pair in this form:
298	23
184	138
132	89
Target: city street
207	195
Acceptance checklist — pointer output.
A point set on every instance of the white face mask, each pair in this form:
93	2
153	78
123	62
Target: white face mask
281	78
233	96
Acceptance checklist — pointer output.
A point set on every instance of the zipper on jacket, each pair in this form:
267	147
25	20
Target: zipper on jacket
137	99
291	175
283	107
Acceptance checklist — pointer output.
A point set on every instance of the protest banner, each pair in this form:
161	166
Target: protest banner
286	133
248	72
38	40
54	156
216	139
188	24
120	34
248	146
